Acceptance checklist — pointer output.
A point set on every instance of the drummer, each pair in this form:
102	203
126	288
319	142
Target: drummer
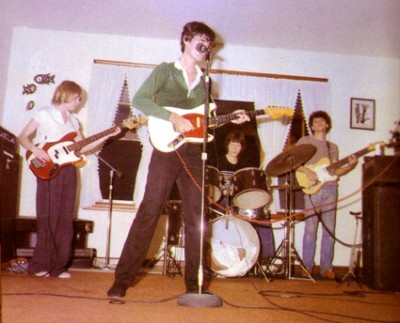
228	164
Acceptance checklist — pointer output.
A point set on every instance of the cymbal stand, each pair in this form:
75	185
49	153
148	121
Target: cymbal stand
171	266
113	171
355	254
287	251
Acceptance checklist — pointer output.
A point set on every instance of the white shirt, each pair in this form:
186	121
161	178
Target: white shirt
51	126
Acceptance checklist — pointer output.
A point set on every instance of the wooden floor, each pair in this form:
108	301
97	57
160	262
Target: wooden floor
153	298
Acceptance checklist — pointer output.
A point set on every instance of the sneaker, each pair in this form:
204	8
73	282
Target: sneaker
64	275
42	274
328	274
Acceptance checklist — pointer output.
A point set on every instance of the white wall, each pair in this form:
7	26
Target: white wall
70	56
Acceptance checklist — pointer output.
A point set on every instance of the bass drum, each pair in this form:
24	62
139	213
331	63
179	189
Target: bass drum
234	246
251	188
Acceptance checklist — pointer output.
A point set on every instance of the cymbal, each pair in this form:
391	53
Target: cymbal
289	160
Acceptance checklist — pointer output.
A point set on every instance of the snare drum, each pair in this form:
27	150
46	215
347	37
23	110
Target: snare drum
260	213
213	183
251	188
234	246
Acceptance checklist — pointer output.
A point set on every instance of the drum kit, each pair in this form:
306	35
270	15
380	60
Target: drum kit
233	241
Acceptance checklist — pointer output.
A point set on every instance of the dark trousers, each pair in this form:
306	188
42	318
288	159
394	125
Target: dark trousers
164	170
55	202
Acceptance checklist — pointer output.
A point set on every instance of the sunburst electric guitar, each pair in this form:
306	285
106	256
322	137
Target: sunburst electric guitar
66	151
326	171
164	137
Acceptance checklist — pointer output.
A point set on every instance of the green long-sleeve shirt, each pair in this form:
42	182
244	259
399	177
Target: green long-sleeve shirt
166	86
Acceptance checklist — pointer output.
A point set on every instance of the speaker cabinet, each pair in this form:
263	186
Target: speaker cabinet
9	181
381	222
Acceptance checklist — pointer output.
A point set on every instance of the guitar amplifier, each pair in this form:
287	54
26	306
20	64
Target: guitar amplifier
381	222
26	238
10	163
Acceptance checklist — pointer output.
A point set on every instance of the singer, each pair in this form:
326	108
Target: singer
178	84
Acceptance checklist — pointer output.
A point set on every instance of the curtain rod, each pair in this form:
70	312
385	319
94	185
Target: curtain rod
218	71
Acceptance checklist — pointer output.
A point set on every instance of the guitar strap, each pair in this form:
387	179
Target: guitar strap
328	145
316	211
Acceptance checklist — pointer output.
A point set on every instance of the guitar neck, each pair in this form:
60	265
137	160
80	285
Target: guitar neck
232	116
344	161
86	141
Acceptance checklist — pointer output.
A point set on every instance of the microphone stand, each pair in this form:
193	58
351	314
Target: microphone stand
201	299
113	171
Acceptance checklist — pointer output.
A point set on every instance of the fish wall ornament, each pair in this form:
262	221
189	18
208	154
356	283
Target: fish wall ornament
44	78
29	89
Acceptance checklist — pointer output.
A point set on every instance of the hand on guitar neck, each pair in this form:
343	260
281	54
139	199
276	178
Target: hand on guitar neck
313	177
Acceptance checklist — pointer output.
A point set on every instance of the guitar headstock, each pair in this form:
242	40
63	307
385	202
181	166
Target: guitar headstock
133	122
276	112
376	145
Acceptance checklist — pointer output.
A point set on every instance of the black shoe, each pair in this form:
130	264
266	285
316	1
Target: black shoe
118	289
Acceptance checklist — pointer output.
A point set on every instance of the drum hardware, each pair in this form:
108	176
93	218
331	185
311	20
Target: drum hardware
173	236
251	188
280	165
260	213
355	255
285	187
230	235
213	183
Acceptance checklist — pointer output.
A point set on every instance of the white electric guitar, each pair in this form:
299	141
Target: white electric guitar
326	171
164	137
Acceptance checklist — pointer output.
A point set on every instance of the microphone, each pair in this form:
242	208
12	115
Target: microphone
203	48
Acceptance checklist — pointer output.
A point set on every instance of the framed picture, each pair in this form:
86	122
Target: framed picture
362	114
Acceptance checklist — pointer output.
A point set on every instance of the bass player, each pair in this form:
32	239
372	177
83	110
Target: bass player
320	123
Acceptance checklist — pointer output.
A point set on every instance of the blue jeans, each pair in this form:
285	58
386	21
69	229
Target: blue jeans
327	214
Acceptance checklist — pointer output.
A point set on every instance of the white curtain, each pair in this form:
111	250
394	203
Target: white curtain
105	89
103	97
135	77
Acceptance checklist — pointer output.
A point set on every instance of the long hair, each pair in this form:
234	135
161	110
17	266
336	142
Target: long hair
235	136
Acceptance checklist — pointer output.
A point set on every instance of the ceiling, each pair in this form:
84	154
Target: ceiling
354	27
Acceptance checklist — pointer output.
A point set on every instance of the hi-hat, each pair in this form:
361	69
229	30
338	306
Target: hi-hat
289	160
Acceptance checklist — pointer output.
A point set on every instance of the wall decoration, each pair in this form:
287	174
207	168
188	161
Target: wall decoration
362	114
30	105
44	78
29	89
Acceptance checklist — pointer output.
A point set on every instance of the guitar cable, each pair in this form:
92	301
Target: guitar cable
293	215
337	201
